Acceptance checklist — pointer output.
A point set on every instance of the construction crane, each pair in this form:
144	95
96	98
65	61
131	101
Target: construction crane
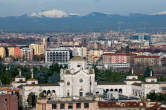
8	90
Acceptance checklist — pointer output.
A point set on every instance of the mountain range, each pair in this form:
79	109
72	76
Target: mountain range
93	22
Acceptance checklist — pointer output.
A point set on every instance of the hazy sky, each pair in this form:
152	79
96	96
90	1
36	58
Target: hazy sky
20	7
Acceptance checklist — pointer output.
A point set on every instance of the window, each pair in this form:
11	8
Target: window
53	106
81	80
78	105
70	106
78	65
68	94
62	106
68	83
120	90
86	105
81	94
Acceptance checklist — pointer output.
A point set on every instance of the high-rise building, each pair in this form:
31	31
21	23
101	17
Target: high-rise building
2	52
14	52
11	51
44	43
77	50
17	52
41	49
27	54
35	47
58	55
38	49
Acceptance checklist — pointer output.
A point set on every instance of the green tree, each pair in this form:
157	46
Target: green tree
41	95
31	99
147	72
159	97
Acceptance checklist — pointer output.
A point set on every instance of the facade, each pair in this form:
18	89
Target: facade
27	54
78	81
11	51
69	104
38	49
66	104
124	105
14	52
2	52
94	55
78	51
118	60
17	52
44	43
58	55
13	103
147	60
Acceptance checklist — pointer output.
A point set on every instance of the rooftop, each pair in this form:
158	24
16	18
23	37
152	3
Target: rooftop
142	56
32	79
77	58
111	83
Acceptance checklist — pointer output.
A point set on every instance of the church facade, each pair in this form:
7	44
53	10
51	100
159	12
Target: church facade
79	81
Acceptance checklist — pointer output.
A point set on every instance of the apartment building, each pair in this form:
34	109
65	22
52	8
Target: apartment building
2	52
147	60
27	54
58	55
117	60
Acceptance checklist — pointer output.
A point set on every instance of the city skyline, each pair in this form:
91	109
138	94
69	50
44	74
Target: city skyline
17	7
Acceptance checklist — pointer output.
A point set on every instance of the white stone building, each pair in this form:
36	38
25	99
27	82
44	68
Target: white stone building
78	81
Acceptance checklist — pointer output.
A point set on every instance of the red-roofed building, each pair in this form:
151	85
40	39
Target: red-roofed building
118	60
126	105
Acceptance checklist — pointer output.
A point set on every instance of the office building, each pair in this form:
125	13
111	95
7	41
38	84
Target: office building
58	55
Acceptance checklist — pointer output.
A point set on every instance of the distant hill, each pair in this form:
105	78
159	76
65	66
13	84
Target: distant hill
92	22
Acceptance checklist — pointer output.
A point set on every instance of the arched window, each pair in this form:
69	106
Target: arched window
68	93
120	90
53	91
48	92
111	90
81	92
44	91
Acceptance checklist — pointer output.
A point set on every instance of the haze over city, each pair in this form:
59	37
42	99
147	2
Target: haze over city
82	55
83	7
